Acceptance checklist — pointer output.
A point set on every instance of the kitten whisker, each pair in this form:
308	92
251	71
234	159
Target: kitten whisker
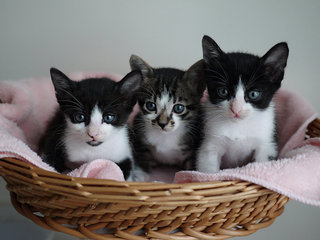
252	77
70	101
217	73
221	81
222	68
72	107
149	90
114	101
71	95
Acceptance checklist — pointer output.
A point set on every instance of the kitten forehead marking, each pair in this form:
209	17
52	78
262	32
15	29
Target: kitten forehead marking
164	100
238	103
94	127
96	116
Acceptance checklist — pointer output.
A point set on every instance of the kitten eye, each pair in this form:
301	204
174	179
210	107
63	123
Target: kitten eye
151	106
254	95
78	117
223	92
178	108
109	118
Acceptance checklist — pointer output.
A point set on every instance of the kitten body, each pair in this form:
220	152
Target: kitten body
91	122
168	129
240	115
166	146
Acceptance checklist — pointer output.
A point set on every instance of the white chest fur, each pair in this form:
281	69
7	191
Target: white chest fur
259	124
115	147
166	145
229	142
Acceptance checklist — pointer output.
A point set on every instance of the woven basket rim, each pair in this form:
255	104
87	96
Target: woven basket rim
143	193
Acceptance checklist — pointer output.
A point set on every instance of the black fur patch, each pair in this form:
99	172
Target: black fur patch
51	146
126	167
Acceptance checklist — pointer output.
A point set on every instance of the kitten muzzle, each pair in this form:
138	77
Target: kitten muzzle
163	121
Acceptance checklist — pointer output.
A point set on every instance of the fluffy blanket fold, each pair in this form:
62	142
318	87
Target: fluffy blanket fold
28	104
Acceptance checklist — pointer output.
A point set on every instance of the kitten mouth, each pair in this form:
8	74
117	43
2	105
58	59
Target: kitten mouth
236	116
167	130
94	143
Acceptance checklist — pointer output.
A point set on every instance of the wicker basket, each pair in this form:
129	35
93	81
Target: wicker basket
134	210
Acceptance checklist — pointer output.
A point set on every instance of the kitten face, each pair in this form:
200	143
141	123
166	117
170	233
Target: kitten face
240	84
95	109
100	126
163	111
168	97
234	107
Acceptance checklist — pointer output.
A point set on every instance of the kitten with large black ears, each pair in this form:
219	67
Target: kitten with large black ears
90	122
240	122
168	129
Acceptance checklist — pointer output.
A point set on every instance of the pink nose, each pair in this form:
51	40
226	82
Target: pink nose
92	135
236	114
236	108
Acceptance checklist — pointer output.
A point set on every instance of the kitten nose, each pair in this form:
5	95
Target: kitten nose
162	125
92	135
236	107
163	119
235	112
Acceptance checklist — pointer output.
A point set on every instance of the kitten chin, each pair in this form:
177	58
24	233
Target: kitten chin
91	122
240	118
168	129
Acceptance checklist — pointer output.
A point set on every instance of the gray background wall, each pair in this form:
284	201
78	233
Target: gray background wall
100	35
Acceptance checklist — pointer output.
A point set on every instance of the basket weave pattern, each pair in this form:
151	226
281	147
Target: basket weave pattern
85	207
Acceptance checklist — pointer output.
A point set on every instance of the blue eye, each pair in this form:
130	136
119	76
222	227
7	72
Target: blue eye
151	106
109	118
254	95
78	117
223	92
178	108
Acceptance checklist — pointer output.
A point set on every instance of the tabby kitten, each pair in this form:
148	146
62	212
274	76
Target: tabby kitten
240	115
91	122
168	129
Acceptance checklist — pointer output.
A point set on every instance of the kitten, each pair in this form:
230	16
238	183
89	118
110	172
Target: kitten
91	122
168	129
240	116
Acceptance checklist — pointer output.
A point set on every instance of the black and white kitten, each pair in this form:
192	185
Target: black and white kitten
240	116
91	122
168	129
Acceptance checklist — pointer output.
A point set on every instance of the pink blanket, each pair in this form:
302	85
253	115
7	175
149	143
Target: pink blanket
28	104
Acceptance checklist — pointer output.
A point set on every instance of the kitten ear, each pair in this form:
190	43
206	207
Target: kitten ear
210	49
275	61
60	80
130	84
194	77
137	63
